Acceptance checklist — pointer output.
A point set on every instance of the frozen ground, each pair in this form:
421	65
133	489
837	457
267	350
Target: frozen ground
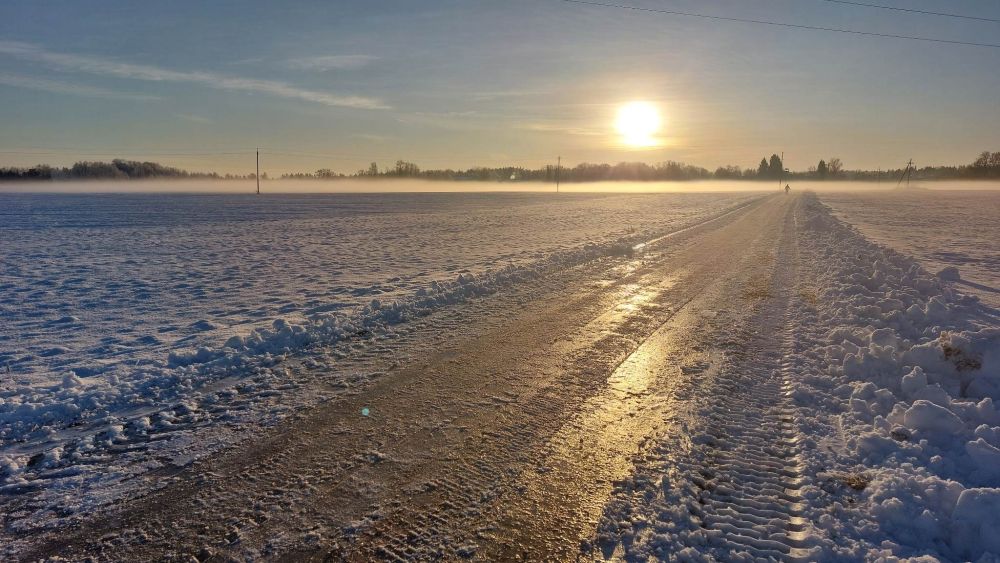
766	383
942	229
151	318
117	286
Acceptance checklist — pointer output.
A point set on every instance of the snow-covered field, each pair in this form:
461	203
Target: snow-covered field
128	316
110	288
941	228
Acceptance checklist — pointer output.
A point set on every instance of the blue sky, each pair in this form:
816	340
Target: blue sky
457	83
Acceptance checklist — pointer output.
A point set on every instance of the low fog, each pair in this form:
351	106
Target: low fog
410	186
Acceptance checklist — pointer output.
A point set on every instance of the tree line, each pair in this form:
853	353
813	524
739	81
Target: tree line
117	169
985	166
584	172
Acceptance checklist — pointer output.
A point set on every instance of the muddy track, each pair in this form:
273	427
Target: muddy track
506	445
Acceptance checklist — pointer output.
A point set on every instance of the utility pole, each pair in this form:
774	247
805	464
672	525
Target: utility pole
558	168
781	175
906	174
258	171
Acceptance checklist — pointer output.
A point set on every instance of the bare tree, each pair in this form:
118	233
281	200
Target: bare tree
835	166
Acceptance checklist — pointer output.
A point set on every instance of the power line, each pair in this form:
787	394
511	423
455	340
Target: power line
782	24
914	11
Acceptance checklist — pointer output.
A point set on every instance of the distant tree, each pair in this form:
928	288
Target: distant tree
776	168
406	169
987	165
373	169
822	170
728	172
983	161
995	160
762	169
835	166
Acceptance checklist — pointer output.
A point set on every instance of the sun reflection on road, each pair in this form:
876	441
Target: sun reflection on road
634	297
595	448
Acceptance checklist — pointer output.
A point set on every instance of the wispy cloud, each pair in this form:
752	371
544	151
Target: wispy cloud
505	94
326	63
372	137
452	120
60	87
193	118
563	129
104	67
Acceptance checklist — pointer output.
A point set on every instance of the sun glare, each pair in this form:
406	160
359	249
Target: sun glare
637	123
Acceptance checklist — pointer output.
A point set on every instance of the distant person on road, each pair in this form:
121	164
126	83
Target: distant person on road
787	189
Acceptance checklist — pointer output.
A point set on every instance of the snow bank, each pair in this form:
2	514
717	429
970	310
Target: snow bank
899	380
951	232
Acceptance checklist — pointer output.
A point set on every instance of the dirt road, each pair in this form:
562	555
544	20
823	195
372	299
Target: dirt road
507	444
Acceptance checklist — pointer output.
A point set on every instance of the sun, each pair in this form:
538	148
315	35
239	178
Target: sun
637	123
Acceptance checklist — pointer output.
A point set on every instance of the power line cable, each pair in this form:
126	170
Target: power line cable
914	11
782	24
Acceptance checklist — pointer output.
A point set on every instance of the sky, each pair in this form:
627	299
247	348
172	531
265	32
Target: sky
462	83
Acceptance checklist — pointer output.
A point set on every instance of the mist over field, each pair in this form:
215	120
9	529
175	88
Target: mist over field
417	186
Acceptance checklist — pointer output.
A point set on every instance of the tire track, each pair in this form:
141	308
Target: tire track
750	499
730	474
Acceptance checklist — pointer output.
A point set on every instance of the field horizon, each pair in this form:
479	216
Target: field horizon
298	186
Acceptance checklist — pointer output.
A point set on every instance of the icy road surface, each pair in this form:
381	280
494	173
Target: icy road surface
759	382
